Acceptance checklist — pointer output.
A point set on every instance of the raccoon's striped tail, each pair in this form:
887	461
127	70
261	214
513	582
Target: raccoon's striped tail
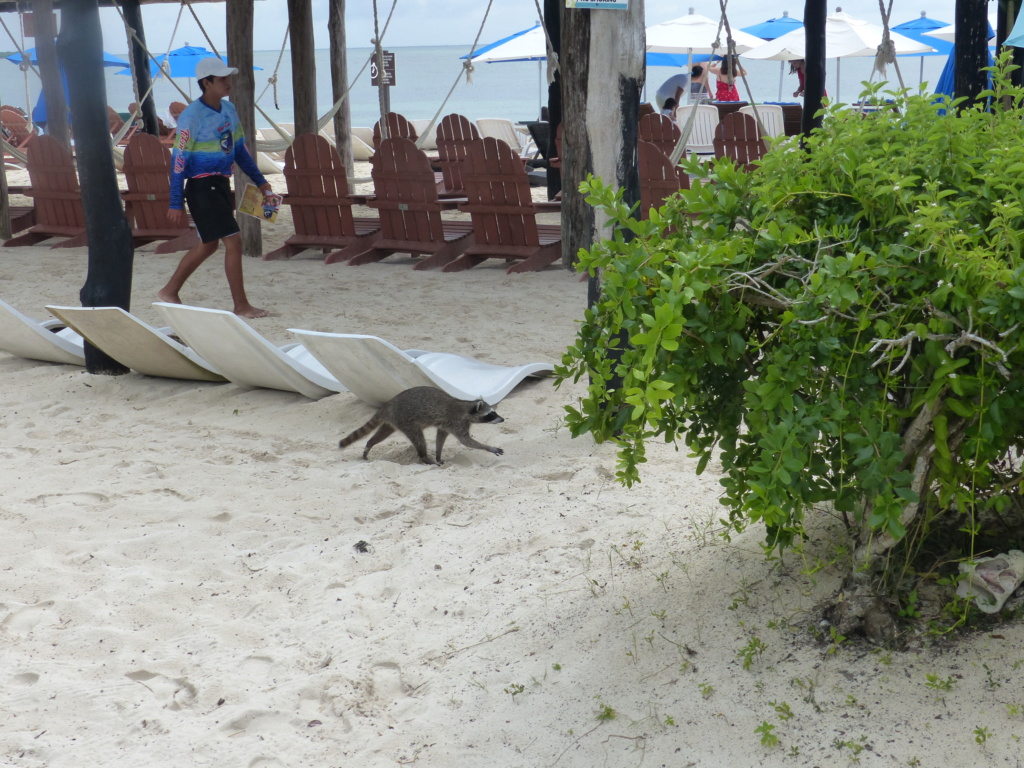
360	433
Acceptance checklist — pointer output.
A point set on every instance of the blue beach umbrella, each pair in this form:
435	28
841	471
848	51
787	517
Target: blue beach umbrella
918	29
1016	36
773	28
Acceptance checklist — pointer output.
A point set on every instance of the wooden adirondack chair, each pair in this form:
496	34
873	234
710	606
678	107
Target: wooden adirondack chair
454	133
115	124
398	127
18	132
658	177
57	199
737	137
661	131
147	170
321	208
410	212
502	211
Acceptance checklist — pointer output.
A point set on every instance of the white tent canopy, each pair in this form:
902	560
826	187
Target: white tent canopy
694	33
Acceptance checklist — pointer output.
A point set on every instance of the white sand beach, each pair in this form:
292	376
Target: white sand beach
180	582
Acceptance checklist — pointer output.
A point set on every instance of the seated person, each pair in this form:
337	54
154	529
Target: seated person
669	110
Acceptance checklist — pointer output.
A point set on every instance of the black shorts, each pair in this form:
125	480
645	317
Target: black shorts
212	205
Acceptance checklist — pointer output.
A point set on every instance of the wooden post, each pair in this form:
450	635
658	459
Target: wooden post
602	64
111	253
5	202
140	65
239	23
49	71
815	12
339	84
300	17
553	25
971	22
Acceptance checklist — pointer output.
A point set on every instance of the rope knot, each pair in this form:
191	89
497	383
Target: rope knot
885	55
468	66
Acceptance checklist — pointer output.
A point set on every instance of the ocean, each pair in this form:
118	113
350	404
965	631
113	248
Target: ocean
424	76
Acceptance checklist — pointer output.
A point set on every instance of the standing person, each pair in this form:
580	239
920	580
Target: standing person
699	84
210	141
673	88
727	70
797	66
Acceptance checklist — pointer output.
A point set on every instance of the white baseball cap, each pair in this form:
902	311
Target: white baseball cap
213	67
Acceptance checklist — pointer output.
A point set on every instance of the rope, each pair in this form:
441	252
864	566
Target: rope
26	61
553	64
887	49
163	66
201	28
272	80
467	68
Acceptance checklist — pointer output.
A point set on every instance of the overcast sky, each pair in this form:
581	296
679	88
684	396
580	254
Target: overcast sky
455	22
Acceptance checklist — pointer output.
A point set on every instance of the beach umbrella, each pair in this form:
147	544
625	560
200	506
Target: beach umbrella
948	33
773	28
109	59
845	36
918	29
1016	36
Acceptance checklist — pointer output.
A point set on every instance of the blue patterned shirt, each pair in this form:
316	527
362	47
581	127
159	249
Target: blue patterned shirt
209	143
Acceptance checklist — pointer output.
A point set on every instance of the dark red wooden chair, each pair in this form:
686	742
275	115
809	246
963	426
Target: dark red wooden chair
454	133
737	137
321	208
502	211
57	200
147	170
660	130
659	179
409	208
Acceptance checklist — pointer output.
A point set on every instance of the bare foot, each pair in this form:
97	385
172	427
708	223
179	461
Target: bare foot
251	312
170	297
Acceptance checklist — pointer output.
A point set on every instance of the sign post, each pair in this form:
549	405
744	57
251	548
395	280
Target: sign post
387	81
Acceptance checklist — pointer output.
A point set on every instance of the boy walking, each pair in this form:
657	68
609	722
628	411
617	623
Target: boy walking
210	141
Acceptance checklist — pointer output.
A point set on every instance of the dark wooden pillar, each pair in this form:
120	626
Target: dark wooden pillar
300	17
49	70
243	87
553	25
339	84
109	280
815	12
5	203
140	65
602	63
971	21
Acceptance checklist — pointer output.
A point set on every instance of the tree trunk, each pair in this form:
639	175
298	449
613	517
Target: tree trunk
339	84
300	17
815	12
602	64
140	66
49	71
971	20
109	280
239	31
553	25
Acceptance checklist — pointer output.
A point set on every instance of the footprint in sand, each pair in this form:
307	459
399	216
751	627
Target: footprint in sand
387	681
174	693
266	762
77	499
21	619
25	678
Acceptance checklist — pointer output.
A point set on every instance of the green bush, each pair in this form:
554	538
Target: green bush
841	326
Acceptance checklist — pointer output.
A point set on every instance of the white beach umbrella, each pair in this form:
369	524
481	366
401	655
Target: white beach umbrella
694	33
845	36
949	33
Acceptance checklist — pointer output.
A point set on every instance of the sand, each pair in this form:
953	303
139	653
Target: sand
195	575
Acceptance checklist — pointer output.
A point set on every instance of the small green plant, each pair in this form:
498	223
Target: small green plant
514	690
940	685
660	615
990	682
706	689
855	747
837	640
669	720
914	762
557	667
782	709
606	713
768	739
910	609
981	734
1013	710
794	751
751	651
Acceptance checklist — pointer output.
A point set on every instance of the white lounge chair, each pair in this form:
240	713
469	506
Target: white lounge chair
773	120
141	347
245	357
503	129
375	370
48	340
702	138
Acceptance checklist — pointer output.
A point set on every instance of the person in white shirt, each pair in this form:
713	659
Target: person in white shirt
673	88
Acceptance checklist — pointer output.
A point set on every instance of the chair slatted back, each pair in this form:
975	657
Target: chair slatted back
773	119
147	171
658	177
702	136
498	189
406	193
660	131
317	188
58	201
398	128
737	137
17	130
454	133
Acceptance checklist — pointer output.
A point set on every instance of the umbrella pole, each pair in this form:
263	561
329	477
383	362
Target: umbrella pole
920	77
782	70
689	71
540	88
837	79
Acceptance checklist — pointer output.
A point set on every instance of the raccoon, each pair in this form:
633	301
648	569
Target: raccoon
411	411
